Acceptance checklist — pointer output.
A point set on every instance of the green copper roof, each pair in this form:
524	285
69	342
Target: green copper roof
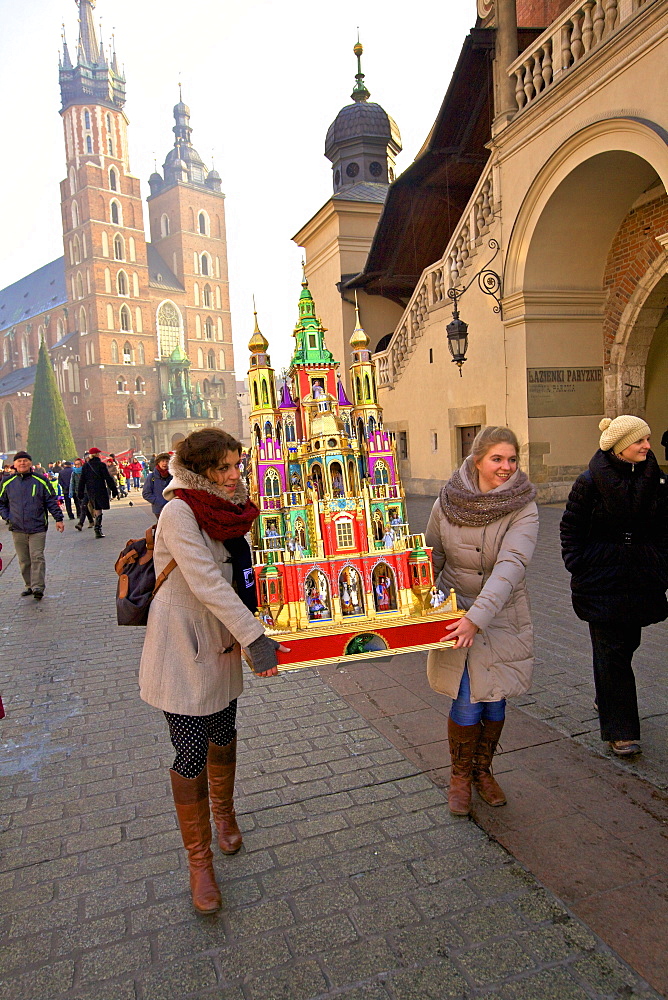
178	355
309	333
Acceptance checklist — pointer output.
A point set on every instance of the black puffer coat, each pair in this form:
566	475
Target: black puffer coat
96	482
614	541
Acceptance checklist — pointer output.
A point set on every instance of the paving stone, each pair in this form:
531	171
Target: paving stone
50	982
176	980
393	915
322	935
491	963
26	951
550	984
260	919
247	957
190	937
323	899
117	898
105	963
302	981
489	921
121	991
359	961
436	982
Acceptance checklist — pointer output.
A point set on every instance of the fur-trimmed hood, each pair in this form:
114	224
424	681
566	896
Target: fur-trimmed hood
186	479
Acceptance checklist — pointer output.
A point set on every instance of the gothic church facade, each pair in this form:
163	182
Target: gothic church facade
139	332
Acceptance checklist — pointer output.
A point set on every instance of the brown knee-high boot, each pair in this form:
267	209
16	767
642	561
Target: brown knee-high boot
222	765
191	798
463	741
484	781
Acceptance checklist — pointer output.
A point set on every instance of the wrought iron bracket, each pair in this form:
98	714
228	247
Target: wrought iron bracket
489	282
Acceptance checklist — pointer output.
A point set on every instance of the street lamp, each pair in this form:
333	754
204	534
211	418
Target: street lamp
457	330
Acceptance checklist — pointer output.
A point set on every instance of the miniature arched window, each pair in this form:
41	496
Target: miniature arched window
80	288
367	387
86	119
206	264
113	179
268	429
170	328
381	473
132	416
126	319
352	478
300	533
316	476
122	283
141	354
114	352
119	247
203	223
164	225
211	361
75	215
127	353
336	478
73	180
76	250
206	296
316	592
289	429
265	394
272	484
206	387
105	244
378	526
208	328
360	431
384	588
139	384
358	389
257	434
372	426
83	324
255	395
116	214
89	144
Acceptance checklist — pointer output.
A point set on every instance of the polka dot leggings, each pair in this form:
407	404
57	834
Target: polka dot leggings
190	735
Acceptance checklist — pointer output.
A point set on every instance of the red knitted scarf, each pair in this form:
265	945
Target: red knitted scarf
220	518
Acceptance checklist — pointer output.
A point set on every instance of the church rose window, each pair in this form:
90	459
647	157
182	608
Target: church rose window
169	328
375	169
352	169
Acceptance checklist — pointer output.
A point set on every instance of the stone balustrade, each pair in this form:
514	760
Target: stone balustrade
449	272
582	28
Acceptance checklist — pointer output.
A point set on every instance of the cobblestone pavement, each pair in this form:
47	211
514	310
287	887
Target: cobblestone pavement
563	689
354	881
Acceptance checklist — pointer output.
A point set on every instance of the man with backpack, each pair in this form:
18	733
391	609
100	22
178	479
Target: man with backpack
26	500
97	483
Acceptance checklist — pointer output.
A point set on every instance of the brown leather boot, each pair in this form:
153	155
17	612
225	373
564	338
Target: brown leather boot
222	765
484	781
191	798
463	741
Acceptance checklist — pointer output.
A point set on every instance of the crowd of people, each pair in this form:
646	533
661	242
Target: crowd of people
482	531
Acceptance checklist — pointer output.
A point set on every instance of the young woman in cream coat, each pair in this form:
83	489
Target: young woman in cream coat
483	531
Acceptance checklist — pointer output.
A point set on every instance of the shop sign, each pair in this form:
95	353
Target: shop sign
565	392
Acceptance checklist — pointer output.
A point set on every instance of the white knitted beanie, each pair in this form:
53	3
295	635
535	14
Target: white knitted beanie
619	433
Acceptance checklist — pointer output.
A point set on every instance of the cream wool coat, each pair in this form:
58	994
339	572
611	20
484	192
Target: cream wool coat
191	661
487	568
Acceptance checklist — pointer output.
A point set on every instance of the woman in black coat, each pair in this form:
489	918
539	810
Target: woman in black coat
96	482
614	543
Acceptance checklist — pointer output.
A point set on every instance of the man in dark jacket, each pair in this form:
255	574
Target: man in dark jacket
96	482
156	482
26	500
64	477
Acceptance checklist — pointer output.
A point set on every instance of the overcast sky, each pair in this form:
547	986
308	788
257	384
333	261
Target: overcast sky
263	78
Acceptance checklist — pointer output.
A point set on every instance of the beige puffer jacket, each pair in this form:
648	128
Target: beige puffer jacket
191	661
487	568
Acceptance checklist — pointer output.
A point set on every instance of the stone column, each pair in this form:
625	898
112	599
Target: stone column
505	54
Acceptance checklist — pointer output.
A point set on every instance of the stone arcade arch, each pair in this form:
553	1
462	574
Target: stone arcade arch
554	300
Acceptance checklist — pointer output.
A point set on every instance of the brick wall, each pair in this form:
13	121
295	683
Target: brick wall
633	250
539	13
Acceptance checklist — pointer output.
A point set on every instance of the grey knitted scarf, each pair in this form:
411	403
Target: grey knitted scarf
472	509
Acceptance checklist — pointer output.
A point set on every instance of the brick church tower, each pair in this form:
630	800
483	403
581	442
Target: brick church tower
106	271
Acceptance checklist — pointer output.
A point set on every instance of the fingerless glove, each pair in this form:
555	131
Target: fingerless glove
263	654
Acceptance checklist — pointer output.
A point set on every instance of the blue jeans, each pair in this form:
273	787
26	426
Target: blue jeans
465	714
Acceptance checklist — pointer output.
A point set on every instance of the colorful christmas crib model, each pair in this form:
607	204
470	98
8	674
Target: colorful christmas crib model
338	572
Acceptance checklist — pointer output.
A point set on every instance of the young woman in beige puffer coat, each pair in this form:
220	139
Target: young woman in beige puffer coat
483	531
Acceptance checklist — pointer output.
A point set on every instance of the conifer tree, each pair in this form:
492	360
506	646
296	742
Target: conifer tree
49	435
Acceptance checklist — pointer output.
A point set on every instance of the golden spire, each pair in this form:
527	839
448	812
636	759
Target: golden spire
359	339
258	343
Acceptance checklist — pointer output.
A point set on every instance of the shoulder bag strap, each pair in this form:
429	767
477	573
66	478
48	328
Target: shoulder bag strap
163	576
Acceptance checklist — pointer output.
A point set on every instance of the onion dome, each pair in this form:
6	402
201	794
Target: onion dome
258	343
358	340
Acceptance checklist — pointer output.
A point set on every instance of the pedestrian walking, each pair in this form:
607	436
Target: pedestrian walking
197	624
96	482
614	543
26	500
483	531
136	469
64	479
83	511
156	482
